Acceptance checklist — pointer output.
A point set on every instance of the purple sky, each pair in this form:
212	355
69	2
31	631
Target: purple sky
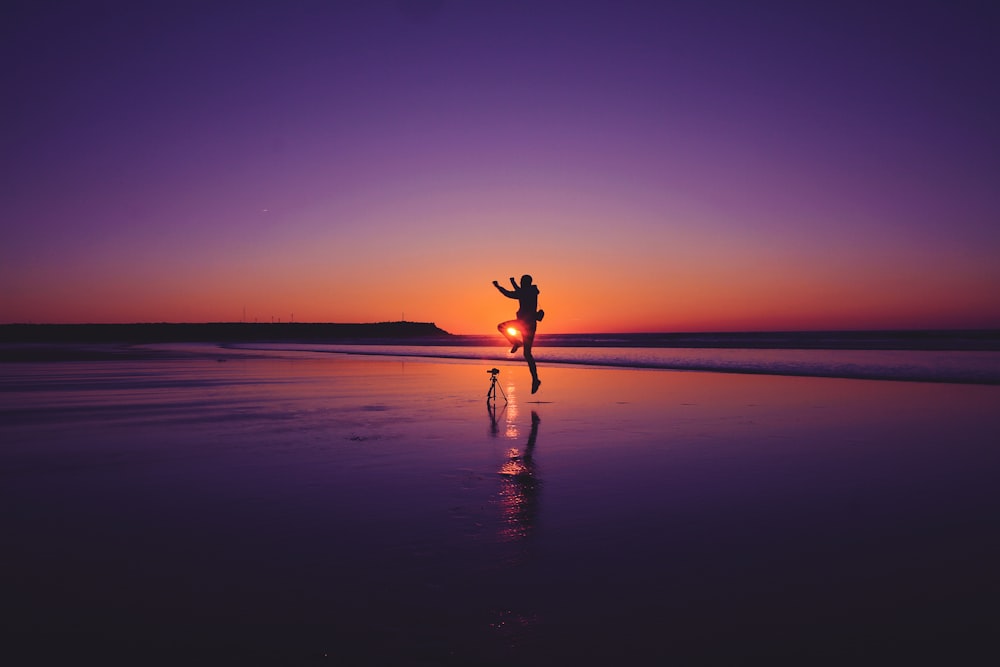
694	165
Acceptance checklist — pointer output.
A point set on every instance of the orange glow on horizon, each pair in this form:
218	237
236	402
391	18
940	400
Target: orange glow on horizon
736	294
330	199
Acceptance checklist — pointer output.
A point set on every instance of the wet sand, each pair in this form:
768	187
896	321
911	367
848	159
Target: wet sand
225	506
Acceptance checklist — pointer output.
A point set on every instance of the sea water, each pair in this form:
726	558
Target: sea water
907	356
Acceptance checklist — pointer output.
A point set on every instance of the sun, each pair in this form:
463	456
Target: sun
512	331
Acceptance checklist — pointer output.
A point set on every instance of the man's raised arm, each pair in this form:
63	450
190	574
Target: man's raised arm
506	292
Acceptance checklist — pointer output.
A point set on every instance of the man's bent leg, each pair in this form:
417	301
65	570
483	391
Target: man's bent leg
502	328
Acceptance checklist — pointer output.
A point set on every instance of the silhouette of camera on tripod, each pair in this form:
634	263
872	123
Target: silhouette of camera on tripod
491	393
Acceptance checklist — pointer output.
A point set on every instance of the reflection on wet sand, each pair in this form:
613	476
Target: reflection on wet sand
519	488
491	409
516	625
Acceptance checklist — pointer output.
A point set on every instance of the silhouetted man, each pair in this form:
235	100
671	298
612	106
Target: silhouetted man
528	317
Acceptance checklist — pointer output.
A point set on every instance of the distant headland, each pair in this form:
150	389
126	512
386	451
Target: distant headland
218	332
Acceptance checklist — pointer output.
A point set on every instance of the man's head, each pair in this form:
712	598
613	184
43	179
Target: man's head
525	280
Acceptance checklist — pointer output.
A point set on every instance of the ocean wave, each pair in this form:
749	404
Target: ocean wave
965	367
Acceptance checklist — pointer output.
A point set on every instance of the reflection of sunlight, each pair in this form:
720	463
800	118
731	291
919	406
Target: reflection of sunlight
511	432
519	488
513	464
517	496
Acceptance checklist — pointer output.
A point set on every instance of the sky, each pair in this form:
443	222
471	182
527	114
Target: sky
670	166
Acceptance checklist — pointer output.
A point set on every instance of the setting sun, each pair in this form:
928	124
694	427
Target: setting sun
724	190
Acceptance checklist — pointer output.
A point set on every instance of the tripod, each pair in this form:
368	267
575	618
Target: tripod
491	393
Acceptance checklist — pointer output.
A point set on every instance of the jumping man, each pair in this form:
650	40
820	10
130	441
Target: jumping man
528	317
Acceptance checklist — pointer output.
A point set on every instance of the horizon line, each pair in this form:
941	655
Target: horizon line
551	333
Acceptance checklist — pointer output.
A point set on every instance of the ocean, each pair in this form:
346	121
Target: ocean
915	356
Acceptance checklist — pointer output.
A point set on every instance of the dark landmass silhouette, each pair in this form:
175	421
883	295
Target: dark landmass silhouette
219	332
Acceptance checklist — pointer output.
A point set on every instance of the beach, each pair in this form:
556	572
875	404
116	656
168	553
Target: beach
207	504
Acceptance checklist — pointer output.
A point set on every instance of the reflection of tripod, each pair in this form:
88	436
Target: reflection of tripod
492	392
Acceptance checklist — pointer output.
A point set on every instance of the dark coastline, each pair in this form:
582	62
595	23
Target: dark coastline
427	333
218	332
93	342
58	341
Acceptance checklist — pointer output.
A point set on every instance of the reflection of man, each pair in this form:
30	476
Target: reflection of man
519	493
529	449
528	316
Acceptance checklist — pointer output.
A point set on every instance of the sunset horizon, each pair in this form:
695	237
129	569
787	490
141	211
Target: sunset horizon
655	167
491	331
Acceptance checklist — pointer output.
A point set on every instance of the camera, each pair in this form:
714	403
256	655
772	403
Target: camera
492	393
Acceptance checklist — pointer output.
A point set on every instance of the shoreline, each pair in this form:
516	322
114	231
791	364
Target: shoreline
427	333
965	367
282	507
